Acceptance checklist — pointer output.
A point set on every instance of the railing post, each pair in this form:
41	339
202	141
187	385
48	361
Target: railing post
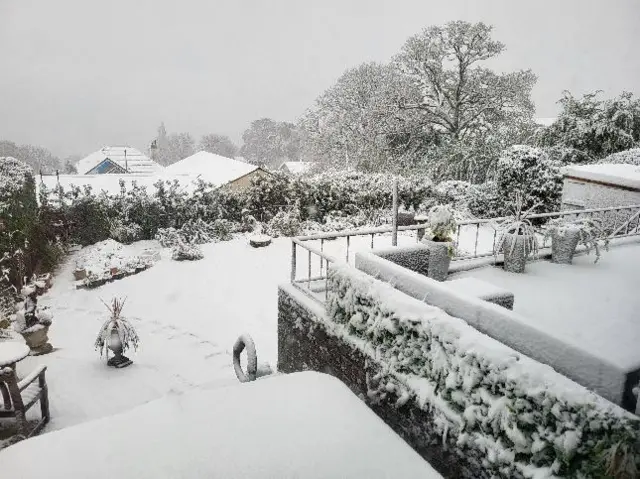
293	261
394	237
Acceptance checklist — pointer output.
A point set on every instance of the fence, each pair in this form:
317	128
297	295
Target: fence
474	239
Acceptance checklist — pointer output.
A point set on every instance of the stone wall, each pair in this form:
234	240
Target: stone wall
305	342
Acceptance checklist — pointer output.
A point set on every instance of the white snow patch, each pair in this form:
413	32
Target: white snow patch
304	425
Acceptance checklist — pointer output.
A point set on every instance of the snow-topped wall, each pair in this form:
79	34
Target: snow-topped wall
472	406
600	186
503	325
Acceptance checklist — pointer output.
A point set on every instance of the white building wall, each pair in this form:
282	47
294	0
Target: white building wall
578	194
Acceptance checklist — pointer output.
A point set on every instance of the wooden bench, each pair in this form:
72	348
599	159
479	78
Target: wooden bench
482	290
19	396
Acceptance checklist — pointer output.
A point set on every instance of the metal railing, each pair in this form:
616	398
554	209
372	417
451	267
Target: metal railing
475	238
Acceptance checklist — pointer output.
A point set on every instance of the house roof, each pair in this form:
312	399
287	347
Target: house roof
626	176
135	161
211	168
297	167
545	121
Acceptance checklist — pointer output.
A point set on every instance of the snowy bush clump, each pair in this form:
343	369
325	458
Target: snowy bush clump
284	223
523	169
516	417
125	233
626	157
195	232
183	251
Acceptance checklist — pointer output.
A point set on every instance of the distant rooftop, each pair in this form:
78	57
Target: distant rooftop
134	162
297	167
545	121
215	169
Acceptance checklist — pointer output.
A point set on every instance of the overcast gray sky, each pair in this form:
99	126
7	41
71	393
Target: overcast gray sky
80	74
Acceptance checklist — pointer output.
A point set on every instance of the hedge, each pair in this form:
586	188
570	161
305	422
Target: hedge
519	416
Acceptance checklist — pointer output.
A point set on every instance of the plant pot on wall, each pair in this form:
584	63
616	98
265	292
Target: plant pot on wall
563	245
516	250
439	259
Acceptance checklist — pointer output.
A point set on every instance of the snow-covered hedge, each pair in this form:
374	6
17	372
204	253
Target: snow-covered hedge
182	251
195	232
626	157
521	417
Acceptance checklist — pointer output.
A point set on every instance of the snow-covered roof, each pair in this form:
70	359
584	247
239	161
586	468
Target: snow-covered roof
135	162
211	168
545	121
627	176
306	425
297	167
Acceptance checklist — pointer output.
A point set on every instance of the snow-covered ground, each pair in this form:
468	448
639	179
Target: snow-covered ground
304	425
591	306
188	315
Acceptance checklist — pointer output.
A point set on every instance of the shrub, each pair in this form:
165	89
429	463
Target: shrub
125	233
626	157
183	251
512	414
530	171
485	201
285	223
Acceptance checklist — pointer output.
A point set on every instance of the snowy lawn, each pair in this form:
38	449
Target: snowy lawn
304	425
188	315
591	306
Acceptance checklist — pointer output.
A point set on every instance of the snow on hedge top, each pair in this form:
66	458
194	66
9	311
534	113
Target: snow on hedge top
13	175
297	167
211	168
616	174
629	157
125	156
303	425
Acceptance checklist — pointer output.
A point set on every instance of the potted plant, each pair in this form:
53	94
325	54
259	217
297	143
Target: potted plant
517	238
116	334
33	323
566	234
438	237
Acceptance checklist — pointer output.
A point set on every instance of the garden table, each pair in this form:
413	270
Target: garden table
12	351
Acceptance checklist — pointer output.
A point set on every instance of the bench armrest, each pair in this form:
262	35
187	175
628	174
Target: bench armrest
31	377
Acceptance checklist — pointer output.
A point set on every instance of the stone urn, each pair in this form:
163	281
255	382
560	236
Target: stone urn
439	258
114	343
37	339
564	244
516	250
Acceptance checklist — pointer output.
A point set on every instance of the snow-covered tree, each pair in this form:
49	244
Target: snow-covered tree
38	158
269	142
459	97
357	121
588	128
219	145
179	146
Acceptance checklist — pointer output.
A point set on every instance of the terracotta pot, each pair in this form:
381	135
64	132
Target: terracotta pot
80	274
439	259
563	245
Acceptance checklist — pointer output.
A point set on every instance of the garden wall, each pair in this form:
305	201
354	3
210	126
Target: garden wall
502	325
471	406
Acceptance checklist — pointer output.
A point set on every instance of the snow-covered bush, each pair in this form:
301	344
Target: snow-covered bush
626	157
195	232
125	233
517	417
442	224
452	191
523	169
284	223
168	237
183	251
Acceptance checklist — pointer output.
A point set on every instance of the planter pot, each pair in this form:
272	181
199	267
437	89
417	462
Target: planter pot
113	271
563	246
80	274
439	259
259	241
515	255
115	345
37	339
